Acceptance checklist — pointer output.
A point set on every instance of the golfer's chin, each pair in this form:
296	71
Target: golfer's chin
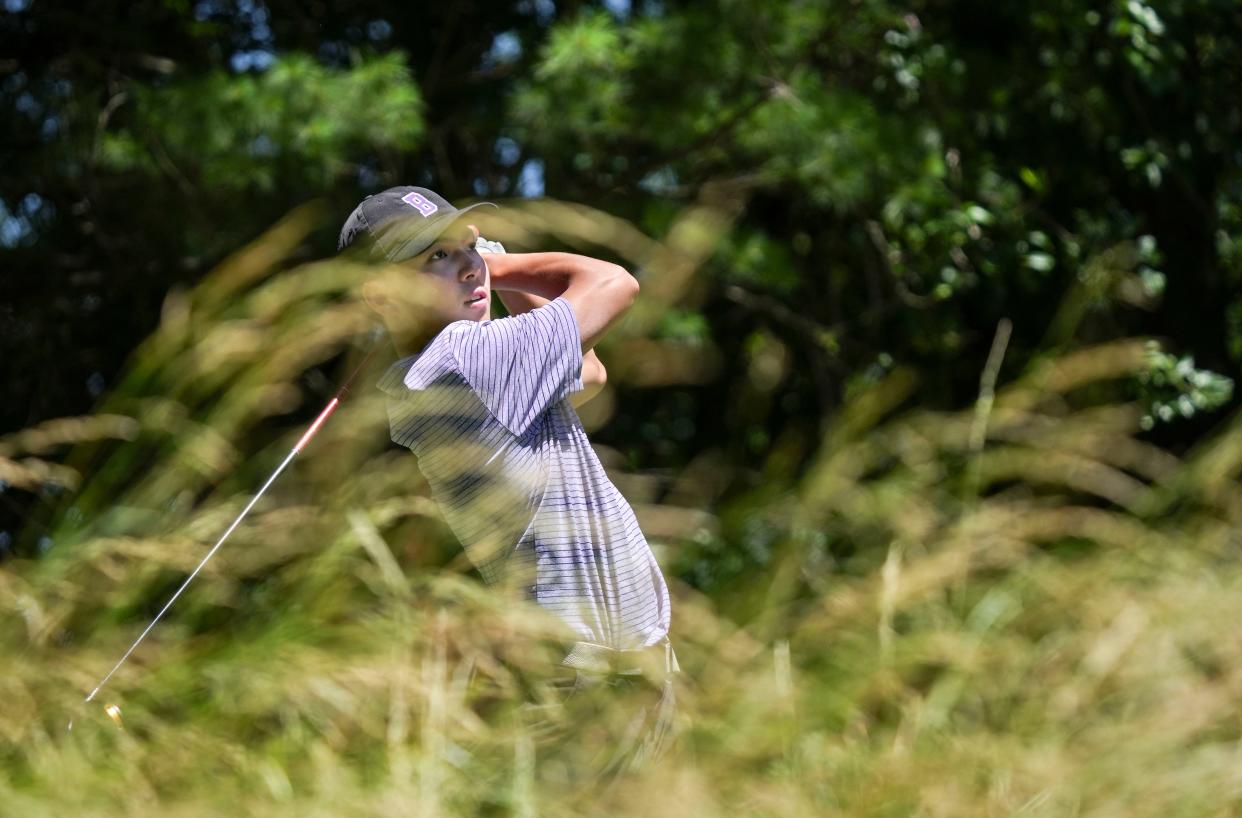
479	310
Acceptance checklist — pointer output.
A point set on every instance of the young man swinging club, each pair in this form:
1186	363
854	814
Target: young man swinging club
488	408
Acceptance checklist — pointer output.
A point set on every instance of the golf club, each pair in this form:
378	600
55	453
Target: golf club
112	710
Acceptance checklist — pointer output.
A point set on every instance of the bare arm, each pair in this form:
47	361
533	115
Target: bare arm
599	292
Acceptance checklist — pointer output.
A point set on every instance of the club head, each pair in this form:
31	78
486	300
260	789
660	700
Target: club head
110	710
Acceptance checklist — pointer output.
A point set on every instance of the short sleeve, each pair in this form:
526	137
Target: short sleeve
418	372
521	365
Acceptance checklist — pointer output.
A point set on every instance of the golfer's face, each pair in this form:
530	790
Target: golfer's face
458	275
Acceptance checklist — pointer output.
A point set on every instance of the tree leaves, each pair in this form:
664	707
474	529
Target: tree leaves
244	132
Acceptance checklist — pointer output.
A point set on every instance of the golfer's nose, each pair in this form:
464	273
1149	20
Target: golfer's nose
471	266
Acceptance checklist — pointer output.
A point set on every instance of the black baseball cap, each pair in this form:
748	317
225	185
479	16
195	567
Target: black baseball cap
399	223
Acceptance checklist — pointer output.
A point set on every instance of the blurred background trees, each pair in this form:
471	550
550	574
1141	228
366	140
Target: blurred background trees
903	177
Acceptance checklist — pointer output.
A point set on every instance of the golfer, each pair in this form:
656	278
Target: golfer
488	407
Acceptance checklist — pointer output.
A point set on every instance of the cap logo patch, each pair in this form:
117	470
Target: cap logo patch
420	203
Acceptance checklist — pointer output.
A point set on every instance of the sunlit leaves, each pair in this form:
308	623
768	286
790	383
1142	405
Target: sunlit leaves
1173	387
239	132
823	140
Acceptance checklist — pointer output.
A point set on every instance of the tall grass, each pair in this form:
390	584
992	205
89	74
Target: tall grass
1019	607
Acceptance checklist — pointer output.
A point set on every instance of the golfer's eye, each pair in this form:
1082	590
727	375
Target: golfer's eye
442	253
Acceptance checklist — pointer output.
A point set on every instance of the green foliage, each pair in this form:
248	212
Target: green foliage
942	612
684	325
896	593
238	133
907	178
1173	387
753	257
821	140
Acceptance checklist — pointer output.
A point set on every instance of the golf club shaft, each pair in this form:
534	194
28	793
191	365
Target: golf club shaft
306	437
210	554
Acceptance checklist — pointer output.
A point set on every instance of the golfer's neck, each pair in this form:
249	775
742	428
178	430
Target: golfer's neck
411	340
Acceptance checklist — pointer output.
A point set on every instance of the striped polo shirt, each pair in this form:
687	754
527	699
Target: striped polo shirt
485	406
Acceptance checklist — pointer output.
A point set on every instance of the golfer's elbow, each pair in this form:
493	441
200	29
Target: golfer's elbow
623	287
628	283
600	295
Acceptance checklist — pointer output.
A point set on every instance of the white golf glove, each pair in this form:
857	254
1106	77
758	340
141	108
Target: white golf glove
488	246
